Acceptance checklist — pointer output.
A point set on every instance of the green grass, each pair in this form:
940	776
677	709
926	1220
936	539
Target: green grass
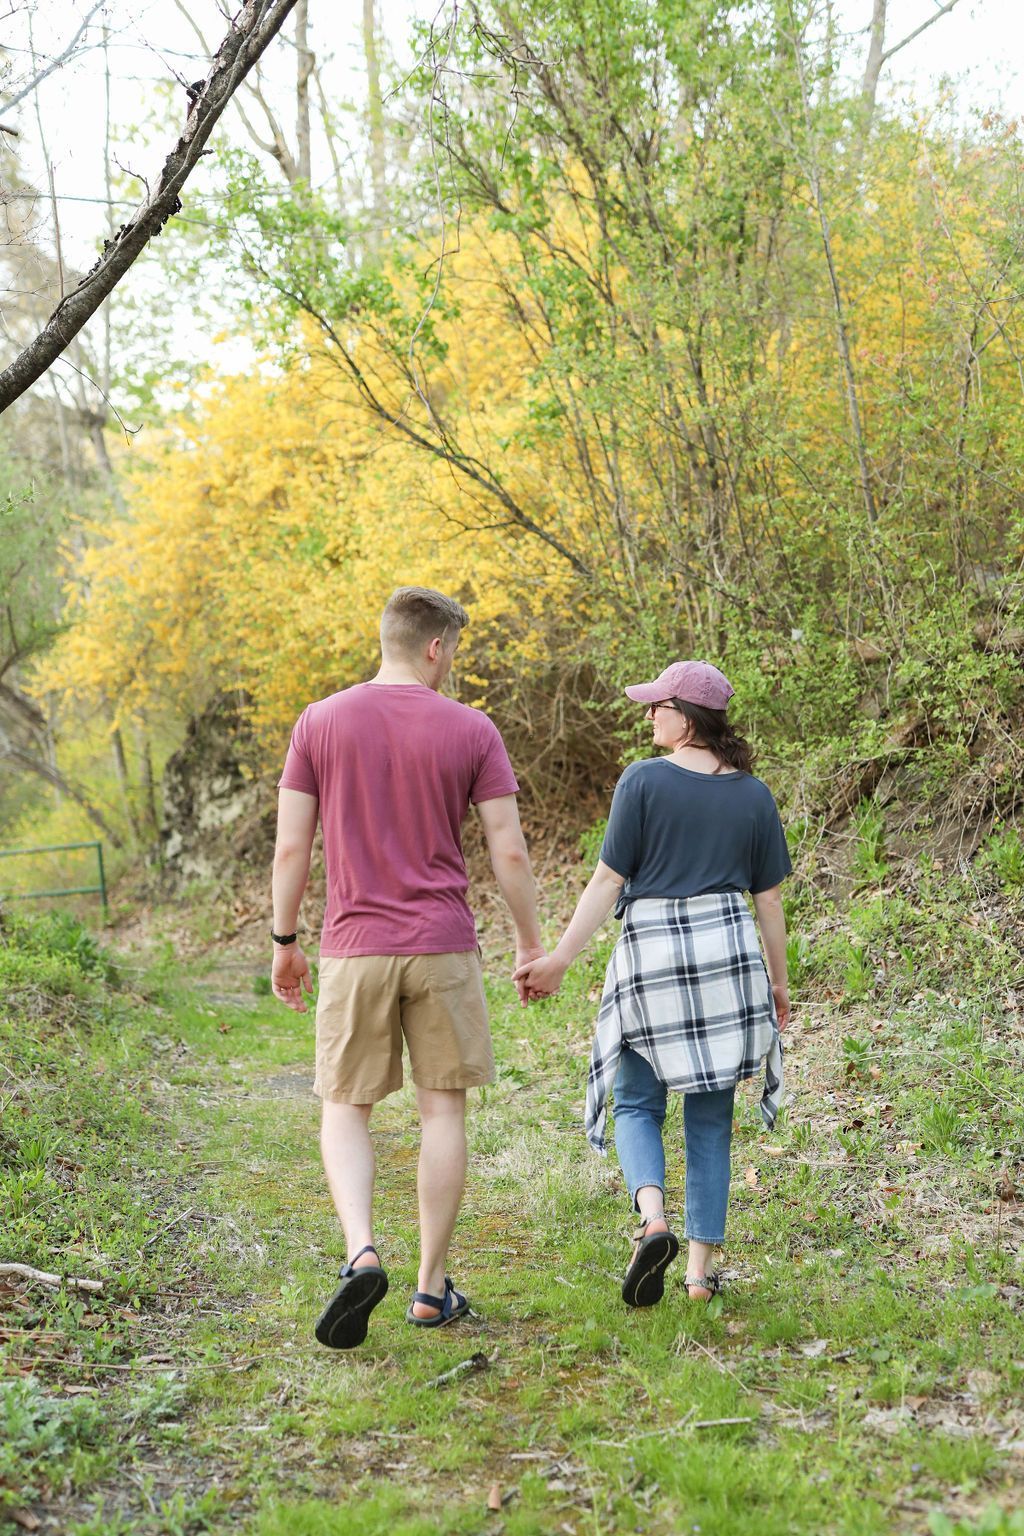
870	1344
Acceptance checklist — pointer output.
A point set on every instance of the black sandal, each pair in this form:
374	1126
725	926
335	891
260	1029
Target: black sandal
344	1321
644	1284
450	1306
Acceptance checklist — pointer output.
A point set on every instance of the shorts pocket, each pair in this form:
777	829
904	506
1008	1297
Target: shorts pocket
450	972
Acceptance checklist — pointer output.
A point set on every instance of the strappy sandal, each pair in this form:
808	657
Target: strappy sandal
710	1283
344	1321
450	1306
644	1284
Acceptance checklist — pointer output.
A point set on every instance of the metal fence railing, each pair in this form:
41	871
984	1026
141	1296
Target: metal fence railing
67	890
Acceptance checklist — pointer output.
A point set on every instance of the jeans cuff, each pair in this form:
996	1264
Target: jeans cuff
712	1242
645	1184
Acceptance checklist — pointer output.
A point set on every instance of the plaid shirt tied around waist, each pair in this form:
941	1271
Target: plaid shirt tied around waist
687	989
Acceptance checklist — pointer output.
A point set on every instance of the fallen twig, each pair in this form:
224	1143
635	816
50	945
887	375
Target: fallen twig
477	1362
168	1225
713	1423
41	1277
647	1434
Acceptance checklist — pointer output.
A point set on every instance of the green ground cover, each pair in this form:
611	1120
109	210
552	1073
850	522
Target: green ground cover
861	1374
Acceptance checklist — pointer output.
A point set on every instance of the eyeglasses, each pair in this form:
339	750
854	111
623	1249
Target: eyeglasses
652	709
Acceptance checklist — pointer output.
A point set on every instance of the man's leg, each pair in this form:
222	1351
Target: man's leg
347	1152
441	1179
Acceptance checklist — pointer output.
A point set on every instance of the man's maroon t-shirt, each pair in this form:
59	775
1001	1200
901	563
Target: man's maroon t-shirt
395	767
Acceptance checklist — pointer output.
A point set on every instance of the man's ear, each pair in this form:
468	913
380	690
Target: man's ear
434	648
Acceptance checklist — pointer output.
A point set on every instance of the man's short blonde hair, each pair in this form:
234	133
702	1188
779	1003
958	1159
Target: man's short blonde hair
413	616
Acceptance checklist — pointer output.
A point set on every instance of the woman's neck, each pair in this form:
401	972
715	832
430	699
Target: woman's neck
698	759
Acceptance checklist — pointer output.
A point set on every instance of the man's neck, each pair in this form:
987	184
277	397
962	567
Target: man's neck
394	673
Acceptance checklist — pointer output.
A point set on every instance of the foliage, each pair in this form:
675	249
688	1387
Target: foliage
1003	854
613	416
994	1522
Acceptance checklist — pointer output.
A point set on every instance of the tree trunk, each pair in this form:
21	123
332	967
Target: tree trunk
145	751
876	56
304	68
375	122
123	778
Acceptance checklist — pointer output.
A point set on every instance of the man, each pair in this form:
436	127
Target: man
391	767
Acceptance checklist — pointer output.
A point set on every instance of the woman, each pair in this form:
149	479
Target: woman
687	1003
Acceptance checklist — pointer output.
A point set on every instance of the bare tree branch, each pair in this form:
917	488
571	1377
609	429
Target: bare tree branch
276	146
879	55
11	753
56	63
255	28
929	22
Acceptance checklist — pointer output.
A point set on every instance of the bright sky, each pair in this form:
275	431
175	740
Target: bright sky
151	41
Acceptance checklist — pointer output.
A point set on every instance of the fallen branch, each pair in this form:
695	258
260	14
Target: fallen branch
477	1362
41	1277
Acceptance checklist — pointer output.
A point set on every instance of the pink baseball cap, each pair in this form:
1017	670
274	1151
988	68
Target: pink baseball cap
698	682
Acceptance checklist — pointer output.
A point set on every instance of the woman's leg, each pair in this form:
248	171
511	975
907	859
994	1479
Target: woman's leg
707	1125
639	1109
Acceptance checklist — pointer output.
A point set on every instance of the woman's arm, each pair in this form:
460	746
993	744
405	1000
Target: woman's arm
544	976
772	923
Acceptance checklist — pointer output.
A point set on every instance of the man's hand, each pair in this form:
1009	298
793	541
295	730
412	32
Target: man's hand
524	955
289	975
782	1005
539	978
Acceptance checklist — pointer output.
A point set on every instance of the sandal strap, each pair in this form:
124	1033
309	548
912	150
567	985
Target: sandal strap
444	1303
639	1233
347	1270
710	1282
430	1301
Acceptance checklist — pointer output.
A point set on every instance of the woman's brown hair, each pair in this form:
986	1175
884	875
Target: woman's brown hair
711	729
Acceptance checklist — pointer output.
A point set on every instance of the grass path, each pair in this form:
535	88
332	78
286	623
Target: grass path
863	1375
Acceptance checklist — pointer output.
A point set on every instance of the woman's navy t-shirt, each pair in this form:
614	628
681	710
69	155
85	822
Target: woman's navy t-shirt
674	833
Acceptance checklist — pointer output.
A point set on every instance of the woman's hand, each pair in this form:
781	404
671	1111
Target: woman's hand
783	1007
539	978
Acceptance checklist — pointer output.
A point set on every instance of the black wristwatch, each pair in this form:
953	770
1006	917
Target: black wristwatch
283	938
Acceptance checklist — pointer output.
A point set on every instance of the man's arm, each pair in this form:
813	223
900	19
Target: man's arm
296	828
544	976
511	864
772	922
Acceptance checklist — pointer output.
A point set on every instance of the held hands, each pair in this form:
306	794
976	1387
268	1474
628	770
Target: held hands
289	975
526	954
537	978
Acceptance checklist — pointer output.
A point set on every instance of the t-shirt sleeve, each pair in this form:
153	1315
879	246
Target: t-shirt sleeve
494	776
298	767
621	849
771	856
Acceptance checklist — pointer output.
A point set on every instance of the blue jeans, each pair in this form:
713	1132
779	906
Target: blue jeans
640	1101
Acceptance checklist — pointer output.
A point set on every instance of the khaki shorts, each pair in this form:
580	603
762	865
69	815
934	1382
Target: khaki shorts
368	1002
